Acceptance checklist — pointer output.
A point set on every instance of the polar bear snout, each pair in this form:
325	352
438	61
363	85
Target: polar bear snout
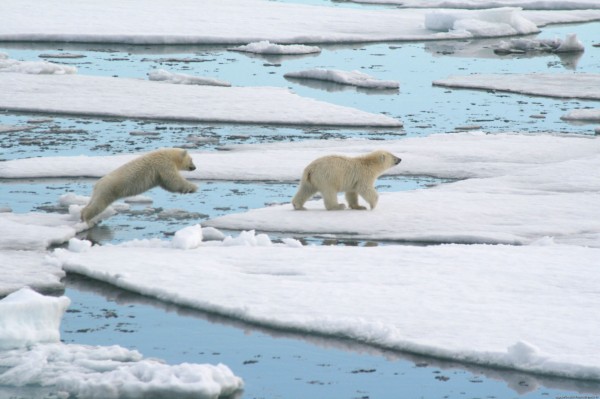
192	167
397	161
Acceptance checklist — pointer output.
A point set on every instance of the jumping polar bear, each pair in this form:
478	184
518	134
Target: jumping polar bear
157	168
332	174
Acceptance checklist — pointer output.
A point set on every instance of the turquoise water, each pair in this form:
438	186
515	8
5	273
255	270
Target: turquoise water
276	364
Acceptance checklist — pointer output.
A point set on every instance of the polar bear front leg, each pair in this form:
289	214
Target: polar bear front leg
352	198
174	183
370	195
330	199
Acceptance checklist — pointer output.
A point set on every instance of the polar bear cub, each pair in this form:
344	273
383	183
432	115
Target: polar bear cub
332	174
157	168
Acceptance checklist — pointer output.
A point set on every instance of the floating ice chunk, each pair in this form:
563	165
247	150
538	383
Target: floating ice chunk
354	78
34	67
248	239
569	45
160	75
113	372
77	245
589	115
505	21
266	47
188	238
73	199
27	318
212	234
292	242
31	354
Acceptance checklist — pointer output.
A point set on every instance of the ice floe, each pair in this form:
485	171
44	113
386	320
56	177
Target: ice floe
266	47
455	156
246	21
31	354
426	300
161	75
520	45
482	4
559	200
352	78
34	67
561	85
134	98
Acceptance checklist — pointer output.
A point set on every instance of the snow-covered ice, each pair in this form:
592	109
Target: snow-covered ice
493	305
520	45
34	67
555	199
134	98
482	4
37	231
561	85
27	268
246	21
583	115
266	47
455	156
161	75
31	354
353	78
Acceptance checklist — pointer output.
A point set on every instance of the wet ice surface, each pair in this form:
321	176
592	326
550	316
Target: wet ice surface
274	364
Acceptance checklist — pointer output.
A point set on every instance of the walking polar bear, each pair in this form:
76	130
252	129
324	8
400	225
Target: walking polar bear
332	174
157	168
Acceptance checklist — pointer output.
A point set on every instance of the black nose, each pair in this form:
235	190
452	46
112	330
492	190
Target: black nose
192	167
398	160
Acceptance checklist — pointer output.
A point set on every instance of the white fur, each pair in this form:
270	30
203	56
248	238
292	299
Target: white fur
333	174
157	168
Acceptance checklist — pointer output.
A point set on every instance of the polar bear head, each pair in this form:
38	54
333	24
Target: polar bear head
182	159
382	160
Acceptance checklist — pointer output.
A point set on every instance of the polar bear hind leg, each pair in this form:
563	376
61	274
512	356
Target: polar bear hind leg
331	202
305	191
